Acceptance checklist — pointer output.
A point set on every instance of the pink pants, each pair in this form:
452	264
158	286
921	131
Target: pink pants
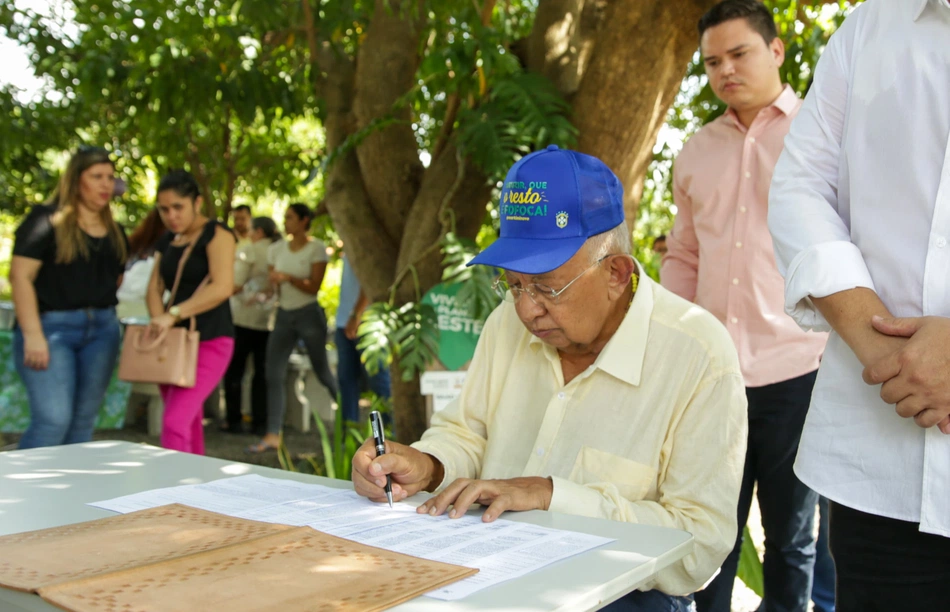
184	408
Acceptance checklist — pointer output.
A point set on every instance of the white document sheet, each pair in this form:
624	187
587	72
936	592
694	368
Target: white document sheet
501	550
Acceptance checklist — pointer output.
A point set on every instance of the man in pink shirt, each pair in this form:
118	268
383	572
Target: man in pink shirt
720	257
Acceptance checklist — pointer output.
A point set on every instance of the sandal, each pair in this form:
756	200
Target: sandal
260	447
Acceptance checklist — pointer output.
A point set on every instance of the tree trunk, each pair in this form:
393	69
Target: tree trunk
409	424
620	64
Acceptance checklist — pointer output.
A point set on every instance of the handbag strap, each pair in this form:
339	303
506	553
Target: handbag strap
181	266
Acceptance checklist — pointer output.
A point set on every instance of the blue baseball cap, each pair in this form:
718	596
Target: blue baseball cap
551	203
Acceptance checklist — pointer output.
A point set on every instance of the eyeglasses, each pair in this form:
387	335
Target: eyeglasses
542	295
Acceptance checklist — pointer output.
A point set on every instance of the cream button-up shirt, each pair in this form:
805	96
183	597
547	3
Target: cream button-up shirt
653	432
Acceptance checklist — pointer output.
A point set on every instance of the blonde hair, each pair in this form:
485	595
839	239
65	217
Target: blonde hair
70	239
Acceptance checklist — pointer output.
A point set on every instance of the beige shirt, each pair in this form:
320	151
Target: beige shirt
653	432
298	264
252	307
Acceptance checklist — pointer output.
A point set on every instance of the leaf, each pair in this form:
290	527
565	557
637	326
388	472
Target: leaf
376	327
284	457
524	112
325	444
750	566
476	293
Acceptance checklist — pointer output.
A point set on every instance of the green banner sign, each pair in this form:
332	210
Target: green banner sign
458	331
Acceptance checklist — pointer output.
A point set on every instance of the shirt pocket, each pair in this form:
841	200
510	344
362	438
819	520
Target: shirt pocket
632	478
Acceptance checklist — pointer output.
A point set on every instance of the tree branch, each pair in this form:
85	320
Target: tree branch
448	124
453	103
310	28
385	70
446	219
447	187
230	174
369	247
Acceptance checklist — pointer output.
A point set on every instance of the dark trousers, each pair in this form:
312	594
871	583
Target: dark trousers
308	323
650	601
887	565
823	583
247	342
776	417
349	369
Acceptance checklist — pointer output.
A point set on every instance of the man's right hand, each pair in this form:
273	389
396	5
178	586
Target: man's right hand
411	471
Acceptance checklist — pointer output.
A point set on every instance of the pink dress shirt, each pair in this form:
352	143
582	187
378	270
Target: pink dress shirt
720	250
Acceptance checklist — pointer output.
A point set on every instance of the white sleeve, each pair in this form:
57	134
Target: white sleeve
812	240
318	252
272	252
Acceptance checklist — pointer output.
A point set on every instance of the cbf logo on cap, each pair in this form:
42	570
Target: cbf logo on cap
552	201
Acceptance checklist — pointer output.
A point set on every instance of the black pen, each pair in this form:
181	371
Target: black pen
379	436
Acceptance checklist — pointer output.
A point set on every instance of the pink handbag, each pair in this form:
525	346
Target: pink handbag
171	358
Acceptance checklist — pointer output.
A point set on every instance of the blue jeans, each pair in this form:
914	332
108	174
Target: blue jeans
651	601
348	371
823	585
776	417
65	397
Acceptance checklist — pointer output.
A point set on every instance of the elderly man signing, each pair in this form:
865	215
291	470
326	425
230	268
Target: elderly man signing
593	390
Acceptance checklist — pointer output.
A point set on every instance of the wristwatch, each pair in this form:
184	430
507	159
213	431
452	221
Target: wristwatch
175	311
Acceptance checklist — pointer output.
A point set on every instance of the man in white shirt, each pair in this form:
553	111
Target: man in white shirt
242	224
860	218
593	390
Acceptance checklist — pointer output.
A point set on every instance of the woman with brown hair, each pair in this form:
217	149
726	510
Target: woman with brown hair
206	283
145	236
68	260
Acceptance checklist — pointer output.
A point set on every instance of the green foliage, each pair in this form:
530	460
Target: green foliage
750	566
476	291
523	112
408	333
208	86
337	448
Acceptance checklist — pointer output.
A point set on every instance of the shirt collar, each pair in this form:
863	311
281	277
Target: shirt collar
623	354
922	4
785	103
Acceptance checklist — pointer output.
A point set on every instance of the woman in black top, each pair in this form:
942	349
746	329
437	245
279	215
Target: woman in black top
67	264
207	281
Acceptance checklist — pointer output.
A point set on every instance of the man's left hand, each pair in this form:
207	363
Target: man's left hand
917	377
531	493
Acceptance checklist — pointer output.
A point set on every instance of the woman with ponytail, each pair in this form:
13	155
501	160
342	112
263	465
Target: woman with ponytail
68	260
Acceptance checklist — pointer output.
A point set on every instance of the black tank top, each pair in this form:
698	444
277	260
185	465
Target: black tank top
215	323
